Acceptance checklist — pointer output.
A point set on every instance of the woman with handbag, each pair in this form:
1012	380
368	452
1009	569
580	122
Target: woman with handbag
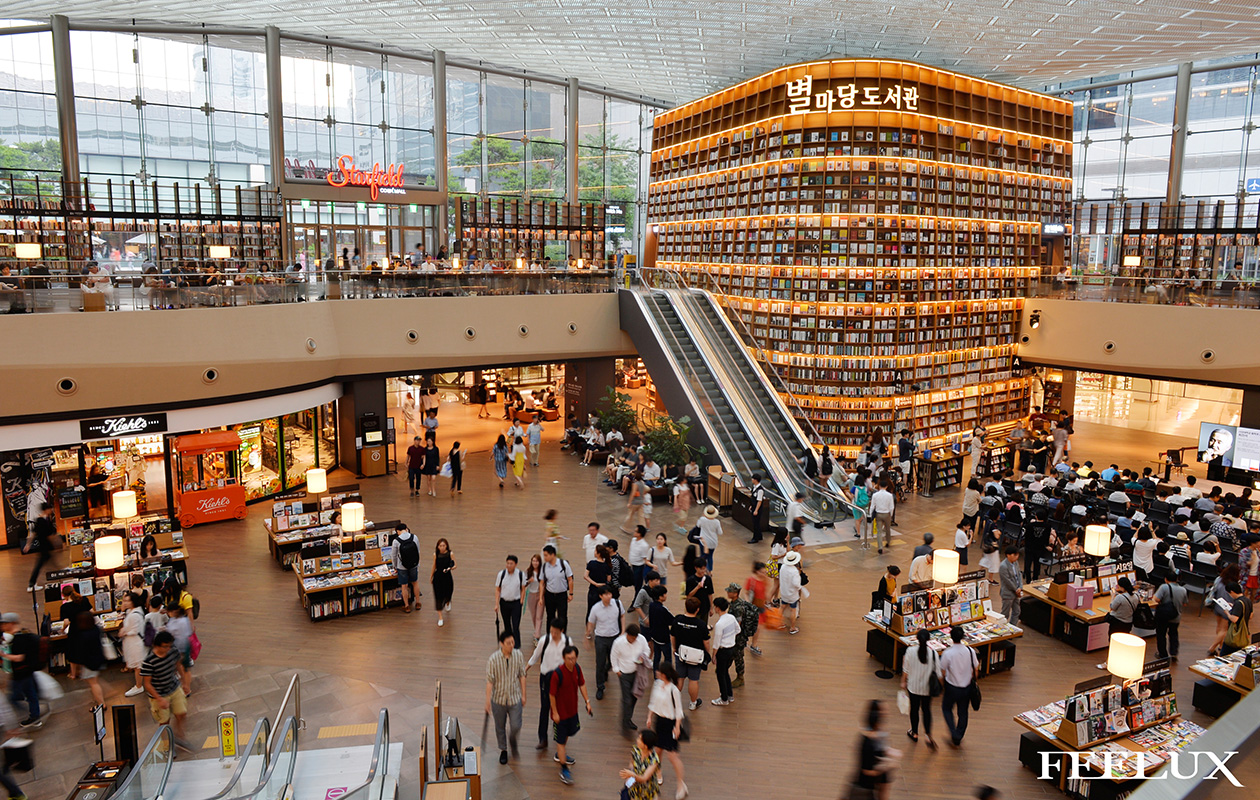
1221	604
85	653
665	718
920	677
1238	634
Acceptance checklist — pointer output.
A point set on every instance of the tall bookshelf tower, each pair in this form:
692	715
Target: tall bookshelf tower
877	224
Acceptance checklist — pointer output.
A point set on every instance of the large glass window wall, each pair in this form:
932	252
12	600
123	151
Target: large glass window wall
1123	137
192	109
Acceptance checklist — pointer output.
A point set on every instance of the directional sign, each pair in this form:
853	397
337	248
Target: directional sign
1253	185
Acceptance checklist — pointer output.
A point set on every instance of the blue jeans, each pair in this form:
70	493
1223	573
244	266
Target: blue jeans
26	689
707	555
959	696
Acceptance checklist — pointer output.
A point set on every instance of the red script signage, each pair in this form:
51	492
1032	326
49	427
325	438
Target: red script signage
388	180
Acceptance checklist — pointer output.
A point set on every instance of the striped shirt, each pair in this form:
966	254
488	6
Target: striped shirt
504	676
163	671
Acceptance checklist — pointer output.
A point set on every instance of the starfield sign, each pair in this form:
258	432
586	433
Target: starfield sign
380	181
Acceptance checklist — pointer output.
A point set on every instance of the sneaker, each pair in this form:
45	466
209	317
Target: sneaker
441	622
720	702
738	682
599	693
134	690
660	779
566	777
32	722
569	760
694	704
183	745
503	757
754	650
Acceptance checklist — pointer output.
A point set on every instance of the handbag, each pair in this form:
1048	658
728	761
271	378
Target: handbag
1237	635
973	695
693	656
903	701
107	648
194	647
48	687
684	730
934	680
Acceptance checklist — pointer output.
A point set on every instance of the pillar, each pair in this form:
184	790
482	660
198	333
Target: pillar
275	127
67	122
1249	414
440	163
358	398
1177	150
585	384
571	142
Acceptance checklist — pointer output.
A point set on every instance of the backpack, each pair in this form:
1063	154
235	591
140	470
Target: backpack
503	574
625	572
409	553
861	497
149	633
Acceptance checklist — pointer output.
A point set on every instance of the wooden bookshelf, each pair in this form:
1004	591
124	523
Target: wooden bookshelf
503	229
181	226
877	225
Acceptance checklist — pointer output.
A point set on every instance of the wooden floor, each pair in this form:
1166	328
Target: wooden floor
794	723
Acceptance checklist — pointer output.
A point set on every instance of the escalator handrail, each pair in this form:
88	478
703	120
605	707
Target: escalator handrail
681	280
694	377
263	726
805	483
652	294
163	731
278	738
380	760
294	691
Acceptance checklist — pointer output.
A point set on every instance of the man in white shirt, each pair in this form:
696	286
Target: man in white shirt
613	436
796	514
757	496
556	577
509	588
1119	496
591	540
651	472
959	669
921	569
548	655
725	630
640	551
790	589
1188	491
883	504
604	623
629	651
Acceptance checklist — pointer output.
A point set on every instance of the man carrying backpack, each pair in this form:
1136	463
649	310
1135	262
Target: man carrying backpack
407	565
548	655
622	572
21	658
509	591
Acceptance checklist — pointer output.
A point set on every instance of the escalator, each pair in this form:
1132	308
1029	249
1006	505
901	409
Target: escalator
699	364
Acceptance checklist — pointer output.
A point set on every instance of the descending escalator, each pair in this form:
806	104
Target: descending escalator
699	364
727	429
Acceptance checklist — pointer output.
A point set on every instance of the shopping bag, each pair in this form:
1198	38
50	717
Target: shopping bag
446	469
49	688
107	647
194	647
903	701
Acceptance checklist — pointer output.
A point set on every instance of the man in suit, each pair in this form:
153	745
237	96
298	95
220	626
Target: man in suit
1012	585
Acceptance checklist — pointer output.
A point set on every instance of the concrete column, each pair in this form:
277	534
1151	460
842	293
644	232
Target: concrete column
571	143
439	140
275	128
67	122
1177	150
585	383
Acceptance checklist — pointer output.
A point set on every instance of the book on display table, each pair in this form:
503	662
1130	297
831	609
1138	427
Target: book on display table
1119	733
1225	679
965	604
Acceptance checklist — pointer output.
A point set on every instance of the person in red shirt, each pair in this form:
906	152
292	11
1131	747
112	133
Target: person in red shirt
566	682
415	463
755	589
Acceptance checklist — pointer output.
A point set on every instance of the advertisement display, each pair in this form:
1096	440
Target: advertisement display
1234	446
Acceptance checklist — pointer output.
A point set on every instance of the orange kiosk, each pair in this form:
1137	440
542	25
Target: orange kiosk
207	478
